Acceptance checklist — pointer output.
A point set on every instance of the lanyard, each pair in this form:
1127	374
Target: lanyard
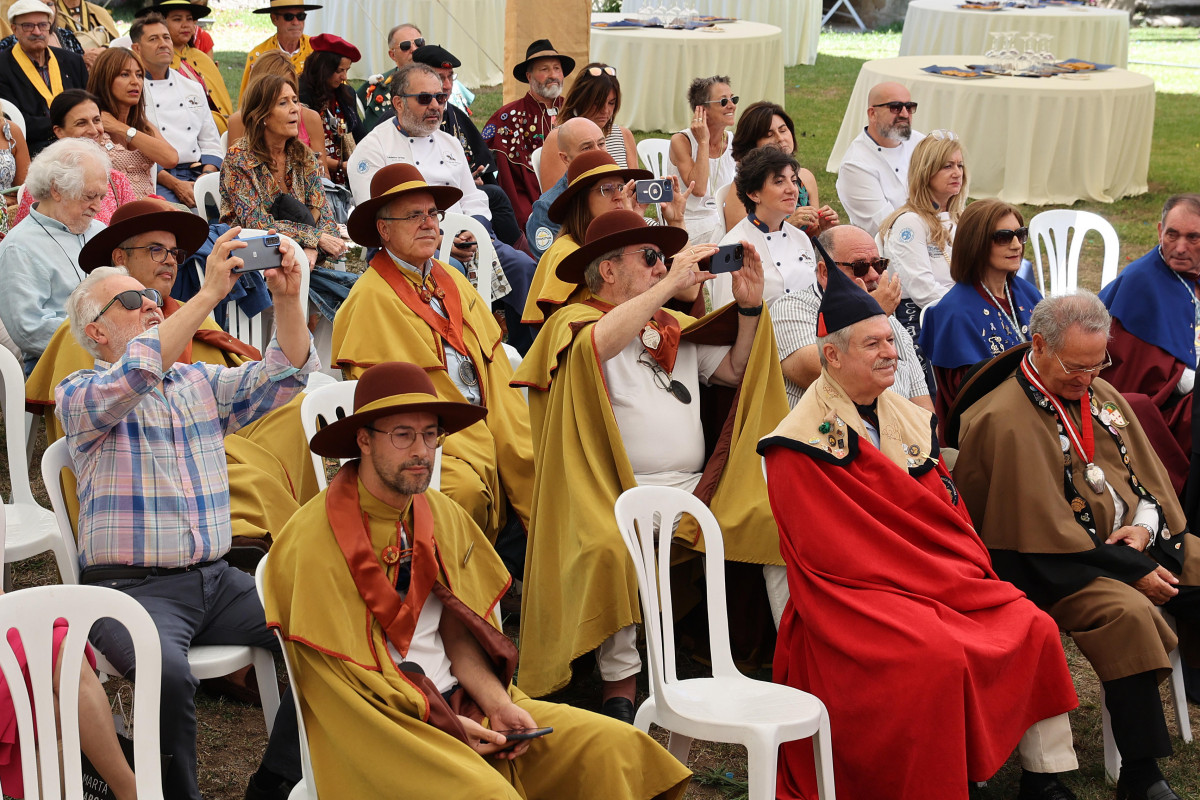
1083	441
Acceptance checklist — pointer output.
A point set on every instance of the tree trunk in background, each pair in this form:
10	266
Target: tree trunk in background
564	23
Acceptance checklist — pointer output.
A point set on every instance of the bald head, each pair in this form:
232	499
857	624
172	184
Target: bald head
847	244
578	135
888	127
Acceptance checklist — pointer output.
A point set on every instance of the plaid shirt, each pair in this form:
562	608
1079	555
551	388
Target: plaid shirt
148	449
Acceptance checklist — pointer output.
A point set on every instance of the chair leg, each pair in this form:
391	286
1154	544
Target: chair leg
679	746
823	758
1179	697
1112	758
268	685
762	767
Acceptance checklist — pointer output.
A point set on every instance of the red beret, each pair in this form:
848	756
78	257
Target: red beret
328	43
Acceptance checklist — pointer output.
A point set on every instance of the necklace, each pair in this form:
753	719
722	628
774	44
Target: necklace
66	255
1012	319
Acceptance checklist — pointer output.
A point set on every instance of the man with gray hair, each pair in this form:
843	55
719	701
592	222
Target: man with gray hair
1079	513
38	258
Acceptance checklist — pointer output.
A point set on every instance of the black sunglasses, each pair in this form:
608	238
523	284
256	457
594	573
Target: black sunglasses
896	107
288	16
650	255
724	101
425	98
409	44
860	268
1006	236
132	300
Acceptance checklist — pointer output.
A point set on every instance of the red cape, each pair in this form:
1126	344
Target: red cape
931	667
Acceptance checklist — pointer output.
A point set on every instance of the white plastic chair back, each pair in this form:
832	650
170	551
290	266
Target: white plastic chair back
32	612
1062	231
654	153
225	143
486	251
13	113
208	190
253	330
722	197
514	360
535	160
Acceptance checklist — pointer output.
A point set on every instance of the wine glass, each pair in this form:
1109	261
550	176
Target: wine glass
995	50
1047	53
1027	61
674	17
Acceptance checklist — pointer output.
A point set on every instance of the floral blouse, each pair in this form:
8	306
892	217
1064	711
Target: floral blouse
248	190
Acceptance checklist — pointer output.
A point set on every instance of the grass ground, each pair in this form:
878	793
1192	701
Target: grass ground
231	738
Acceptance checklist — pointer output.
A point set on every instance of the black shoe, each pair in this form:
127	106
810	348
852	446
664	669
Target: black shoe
255	790
620	708
1159	790
1054	790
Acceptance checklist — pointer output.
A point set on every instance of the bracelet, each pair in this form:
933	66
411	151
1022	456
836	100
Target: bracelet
1148	529
750	312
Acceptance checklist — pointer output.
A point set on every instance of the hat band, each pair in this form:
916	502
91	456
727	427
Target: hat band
398	401
591	173
405	187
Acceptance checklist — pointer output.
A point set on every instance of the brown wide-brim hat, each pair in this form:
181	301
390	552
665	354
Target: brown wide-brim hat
142	216
615	230
284	5
395	387
391	183
542	49
584	172
979	381
164	7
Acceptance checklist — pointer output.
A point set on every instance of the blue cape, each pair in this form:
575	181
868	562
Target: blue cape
963	328
1152	304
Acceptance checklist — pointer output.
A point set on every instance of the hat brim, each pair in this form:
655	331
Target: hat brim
558	209
340	439
301	6
198	11
190	234
671	240
980	380
568	64
361	225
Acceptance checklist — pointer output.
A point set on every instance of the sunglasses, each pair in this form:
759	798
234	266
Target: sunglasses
409	44
131	299
896	107
1006	236
649	255
862	268
596	72
944	135
724	101
288	16
425	98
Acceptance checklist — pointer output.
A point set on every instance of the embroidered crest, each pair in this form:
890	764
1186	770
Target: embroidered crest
489	131
363	166
906	235
543	238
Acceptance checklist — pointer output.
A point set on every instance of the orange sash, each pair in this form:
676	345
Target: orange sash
451	328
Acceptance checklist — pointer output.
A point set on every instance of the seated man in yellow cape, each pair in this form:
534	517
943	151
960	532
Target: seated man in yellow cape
270	471
385	594
615	402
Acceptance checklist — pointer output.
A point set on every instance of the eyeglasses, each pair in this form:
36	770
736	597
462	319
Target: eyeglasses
944	135
596	72
404	438
288	16
425	98
724	101
409	44
159	253
606	189
649	255
131	299
418	217
1085	370
30	27
861	267
896	107
1004	237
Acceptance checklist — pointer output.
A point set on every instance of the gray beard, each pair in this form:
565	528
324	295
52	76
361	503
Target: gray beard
894	133
547	92
418	127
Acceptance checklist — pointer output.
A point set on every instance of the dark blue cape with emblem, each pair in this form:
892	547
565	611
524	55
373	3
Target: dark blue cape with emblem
1153	304
963	328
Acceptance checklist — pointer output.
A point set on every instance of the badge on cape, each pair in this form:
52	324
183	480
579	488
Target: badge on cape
1115	417
391	555
651	338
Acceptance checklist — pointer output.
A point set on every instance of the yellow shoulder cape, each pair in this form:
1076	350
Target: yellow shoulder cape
546	291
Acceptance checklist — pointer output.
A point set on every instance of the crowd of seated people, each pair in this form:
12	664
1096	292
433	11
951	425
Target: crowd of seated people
842	361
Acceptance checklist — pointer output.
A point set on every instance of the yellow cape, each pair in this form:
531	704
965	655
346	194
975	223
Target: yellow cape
298	58
546	291
214	83
484	463
581	470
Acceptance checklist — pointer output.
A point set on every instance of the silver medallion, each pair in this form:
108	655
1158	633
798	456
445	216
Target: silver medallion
1095	478
651	338
467	373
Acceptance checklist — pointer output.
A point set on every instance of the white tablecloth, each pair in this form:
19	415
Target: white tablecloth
938	27
473	30
800	21
1042	141
655	67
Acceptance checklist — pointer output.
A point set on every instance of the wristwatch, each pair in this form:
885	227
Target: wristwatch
129	134
1153	533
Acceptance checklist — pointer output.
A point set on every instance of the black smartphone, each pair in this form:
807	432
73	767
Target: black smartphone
654	191
728	258
521	734
260	252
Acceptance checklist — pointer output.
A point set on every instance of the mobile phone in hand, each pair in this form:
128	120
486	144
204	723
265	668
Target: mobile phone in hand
521	734
654	191
728	258
260	252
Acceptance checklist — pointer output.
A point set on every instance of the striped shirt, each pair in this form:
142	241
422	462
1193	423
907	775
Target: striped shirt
148	450
614	143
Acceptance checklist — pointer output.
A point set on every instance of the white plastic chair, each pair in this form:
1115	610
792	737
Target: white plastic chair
655	154
306	789
1062	247
487	258
721	198
728	707
535	161
253	330
13	113
32	612
207	188
514	359
30	529
224	143
205	661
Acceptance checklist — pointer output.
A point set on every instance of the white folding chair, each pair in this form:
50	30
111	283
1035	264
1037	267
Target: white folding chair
535	160
30	529
13	113
655	154
224	143
32	613
253	330
514	359
306	789
728	707
1054	228
205	661
206	190
722	197
486	258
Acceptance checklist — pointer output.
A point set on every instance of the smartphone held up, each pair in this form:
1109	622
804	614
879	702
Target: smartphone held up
260	253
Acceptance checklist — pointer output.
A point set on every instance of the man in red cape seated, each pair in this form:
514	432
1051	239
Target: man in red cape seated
932	668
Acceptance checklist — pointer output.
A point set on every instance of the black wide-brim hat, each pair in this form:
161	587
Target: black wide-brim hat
584	171
542	49
394	387
284	5
142	216
615	230
978	382
391	183
166	6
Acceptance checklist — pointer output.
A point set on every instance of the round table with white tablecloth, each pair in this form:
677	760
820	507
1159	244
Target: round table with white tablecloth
655	67
940	27
473	30
800	21
1040	141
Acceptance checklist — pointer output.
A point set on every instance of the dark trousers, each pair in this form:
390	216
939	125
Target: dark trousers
216	604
